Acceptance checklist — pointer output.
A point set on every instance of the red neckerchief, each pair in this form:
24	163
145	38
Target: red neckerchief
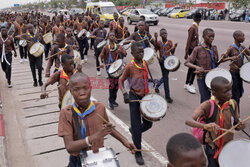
145	74
220	142
64	75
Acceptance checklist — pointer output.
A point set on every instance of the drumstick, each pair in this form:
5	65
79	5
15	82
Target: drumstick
235	126
153	91
50	91
139	100
197	72
241	52
226	130
143	150
221	58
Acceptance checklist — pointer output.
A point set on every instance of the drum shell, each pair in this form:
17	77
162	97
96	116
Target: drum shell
149	118
67	99
101	44
152	56
241	72
23	43
174	69
118	72
39	50
48	38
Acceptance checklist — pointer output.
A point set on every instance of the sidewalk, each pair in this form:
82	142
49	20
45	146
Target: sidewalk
31	125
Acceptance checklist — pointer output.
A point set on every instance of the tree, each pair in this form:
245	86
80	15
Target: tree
240	3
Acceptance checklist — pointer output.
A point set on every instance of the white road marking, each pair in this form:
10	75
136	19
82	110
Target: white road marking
145	145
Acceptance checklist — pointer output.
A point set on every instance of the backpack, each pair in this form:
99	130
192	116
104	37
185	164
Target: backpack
200	133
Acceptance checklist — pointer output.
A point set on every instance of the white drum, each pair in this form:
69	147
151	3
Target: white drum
77	56
81	33
236	153
106	157
149	55
116	69
172	63
154	107
217	72
68	99
48	38
37	49
23	43
101	44
245	72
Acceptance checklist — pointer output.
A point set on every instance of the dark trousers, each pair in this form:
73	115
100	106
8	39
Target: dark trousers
113	89
47	48
138	124
164	80
36	62
83	45
237	87
205	93
92	41
97	54
23	52
73	161
190	74
210	156
7	68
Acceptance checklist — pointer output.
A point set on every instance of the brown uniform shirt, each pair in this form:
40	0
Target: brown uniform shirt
160	48
135	36
135	78
114	54
231	52
120	32
93	26
66	125
205	109
46	29
99	33
79	26
193	38
27	37
9	45
203	58
112	25
58	30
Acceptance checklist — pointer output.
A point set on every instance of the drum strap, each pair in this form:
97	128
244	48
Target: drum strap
3	58
239	50
212	57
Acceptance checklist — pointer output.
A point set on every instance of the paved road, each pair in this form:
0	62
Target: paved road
36	122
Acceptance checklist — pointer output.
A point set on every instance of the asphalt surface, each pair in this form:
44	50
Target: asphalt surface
38	119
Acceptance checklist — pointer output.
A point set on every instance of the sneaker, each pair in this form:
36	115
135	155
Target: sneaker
21	61
40	83
9	85
99	73
111	106
35	84
138	158
169	100
26	59
115	104
191	89
186	86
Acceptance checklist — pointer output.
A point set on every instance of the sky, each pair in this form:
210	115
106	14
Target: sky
10	3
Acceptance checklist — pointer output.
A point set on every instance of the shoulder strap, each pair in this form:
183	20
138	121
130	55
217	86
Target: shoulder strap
232	109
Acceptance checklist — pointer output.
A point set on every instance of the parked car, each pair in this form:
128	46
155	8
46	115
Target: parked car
239	15
135	14
172	10
157	10
74	11
191	14
179	13
163	12
126	12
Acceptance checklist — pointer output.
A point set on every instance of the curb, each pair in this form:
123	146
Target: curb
3	155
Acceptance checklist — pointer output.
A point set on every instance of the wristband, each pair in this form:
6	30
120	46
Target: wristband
87	141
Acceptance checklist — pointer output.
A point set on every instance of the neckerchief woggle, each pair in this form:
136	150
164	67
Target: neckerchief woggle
3	51
212	57
82	116
164	45
142	38
239	50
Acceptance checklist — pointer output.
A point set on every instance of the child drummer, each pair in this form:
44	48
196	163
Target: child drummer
165	47
110	54
206	56
88	112
237	60
225	110
121	31
137	74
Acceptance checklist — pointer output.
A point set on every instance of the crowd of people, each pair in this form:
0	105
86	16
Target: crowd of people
79	123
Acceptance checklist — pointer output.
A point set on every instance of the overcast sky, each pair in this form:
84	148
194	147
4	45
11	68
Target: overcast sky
10	3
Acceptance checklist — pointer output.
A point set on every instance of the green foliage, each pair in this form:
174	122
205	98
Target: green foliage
240	3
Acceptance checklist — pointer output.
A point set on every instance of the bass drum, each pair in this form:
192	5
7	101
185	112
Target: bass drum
67	99
149	55
244	72
217	72
116	69
236	153
37	49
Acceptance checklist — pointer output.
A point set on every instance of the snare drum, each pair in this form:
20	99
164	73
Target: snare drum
244	72
172	63
23	43
236	153
37	49
155	109
67	99
48	38
116	69
217	72
106	157
80	34
149	55
101	44
77	56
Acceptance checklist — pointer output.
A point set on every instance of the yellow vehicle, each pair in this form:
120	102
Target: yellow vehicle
179	13
126	12
104	9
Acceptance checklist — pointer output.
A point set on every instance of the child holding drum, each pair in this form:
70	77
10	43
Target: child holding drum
219	113
235	53
165	47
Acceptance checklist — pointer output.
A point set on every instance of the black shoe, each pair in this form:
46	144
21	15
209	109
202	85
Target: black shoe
40	83
138	158
115	104
111	106
157	91
35	84
169	100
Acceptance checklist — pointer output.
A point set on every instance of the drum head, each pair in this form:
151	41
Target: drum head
156	108
235	153
34	48
244	72
115	66
67	99
148	54
217	72
81	33
101	44
77	56
171	62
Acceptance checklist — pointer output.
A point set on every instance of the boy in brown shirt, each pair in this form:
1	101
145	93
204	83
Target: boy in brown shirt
88	112
206	58
6	46
57	29
110	54
234	55
223	116
113	24
121	31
